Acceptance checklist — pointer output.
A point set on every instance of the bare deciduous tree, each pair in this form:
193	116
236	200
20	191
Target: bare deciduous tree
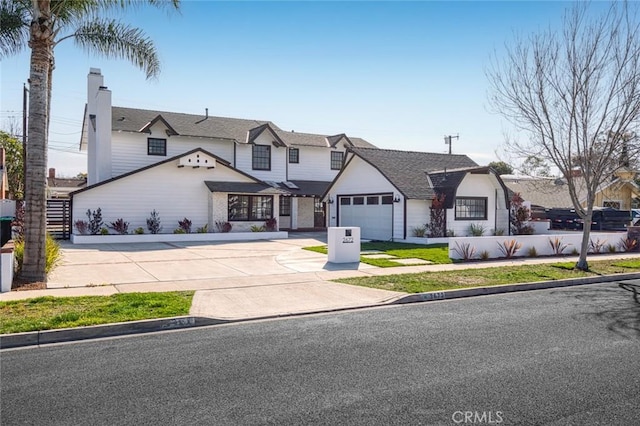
575	93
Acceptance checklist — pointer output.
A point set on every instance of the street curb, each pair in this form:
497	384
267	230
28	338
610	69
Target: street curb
33	338
510	288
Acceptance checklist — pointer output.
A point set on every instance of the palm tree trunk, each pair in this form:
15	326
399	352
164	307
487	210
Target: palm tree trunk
41	42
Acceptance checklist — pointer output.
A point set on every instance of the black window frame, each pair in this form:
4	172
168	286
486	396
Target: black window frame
471	208
154	150
294	155
250	208
335	163
285	206
260	161
358	201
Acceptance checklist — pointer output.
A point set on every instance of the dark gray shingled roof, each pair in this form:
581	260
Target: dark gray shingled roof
133	120
408	170
308	187
243	188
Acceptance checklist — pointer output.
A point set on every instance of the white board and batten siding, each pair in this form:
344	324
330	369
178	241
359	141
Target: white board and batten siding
479	185
314	164
175	193
362	179
129	150
244	159
418	214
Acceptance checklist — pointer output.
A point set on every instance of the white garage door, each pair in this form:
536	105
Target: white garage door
372	213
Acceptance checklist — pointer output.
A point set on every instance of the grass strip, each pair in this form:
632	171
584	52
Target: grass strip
466	278
47	313
434	253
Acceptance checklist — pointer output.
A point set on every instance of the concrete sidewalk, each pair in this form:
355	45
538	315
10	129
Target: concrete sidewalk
235	281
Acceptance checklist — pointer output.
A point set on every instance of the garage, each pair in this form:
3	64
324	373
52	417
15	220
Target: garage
373	213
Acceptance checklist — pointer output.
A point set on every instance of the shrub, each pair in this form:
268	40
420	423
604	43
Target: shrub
437	221
520	216
153	223
138	231
557	246
120	226
464	250
628	244
203	230
596	246
95	224
104	231
498	232
222	226
451	233
82	226
484	255
179	231
611	248
52	254
509	248
575	252
185	225
419	231
271	224
257	228
476	230
532	252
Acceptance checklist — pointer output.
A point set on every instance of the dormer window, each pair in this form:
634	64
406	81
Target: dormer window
157	146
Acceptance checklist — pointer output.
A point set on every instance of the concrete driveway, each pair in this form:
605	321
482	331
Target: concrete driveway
233	280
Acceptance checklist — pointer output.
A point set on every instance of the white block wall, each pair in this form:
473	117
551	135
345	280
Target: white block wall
540	242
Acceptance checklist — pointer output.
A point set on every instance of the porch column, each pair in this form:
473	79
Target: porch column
294	212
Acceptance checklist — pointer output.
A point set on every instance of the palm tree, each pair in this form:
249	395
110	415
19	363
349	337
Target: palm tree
42	25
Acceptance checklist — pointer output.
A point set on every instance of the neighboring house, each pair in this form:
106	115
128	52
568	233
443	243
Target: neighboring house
122	141
620	192
387	193
62	187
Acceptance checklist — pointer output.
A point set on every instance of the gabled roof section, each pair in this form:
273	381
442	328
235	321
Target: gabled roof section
447	181
253	134
158	119
334	140
168	160
206	126
409	170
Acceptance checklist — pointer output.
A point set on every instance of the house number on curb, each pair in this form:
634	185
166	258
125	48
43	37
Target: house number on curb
439	295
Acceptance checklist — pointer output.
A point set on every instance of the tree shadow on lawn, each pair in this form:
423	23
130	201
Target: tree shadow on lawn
614	305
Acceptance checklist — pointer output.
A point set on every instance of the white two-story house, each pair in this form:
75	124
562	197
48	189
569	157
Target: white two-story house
204	168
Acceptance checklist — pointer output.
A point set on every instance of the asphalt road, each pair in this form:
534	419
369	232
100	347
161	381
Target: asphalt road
559	357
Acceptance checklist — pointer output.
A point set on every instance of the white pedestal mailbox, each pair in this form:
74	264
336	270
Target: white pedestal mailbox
343	244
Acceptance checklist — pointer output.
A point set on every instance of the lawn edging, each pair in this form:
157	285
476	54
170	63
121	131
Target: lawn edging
433	296
33	338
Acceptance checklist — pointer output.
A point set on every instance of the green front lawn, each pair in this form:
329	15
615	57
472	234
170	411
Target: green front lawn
434	253
46	313
451	280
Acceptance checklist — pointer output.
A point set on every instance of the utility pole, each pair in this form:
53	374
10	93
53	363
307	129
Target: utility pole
447	140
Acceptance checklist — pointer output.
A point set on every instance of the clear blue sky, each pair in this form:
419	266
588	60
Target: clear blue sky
398	74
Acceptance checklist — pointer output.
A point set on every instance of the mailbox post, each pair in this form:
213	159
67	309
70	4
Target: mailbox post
343	244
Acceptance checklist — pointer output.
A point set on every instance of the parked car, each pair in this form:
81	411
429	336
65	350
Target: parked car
604	219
